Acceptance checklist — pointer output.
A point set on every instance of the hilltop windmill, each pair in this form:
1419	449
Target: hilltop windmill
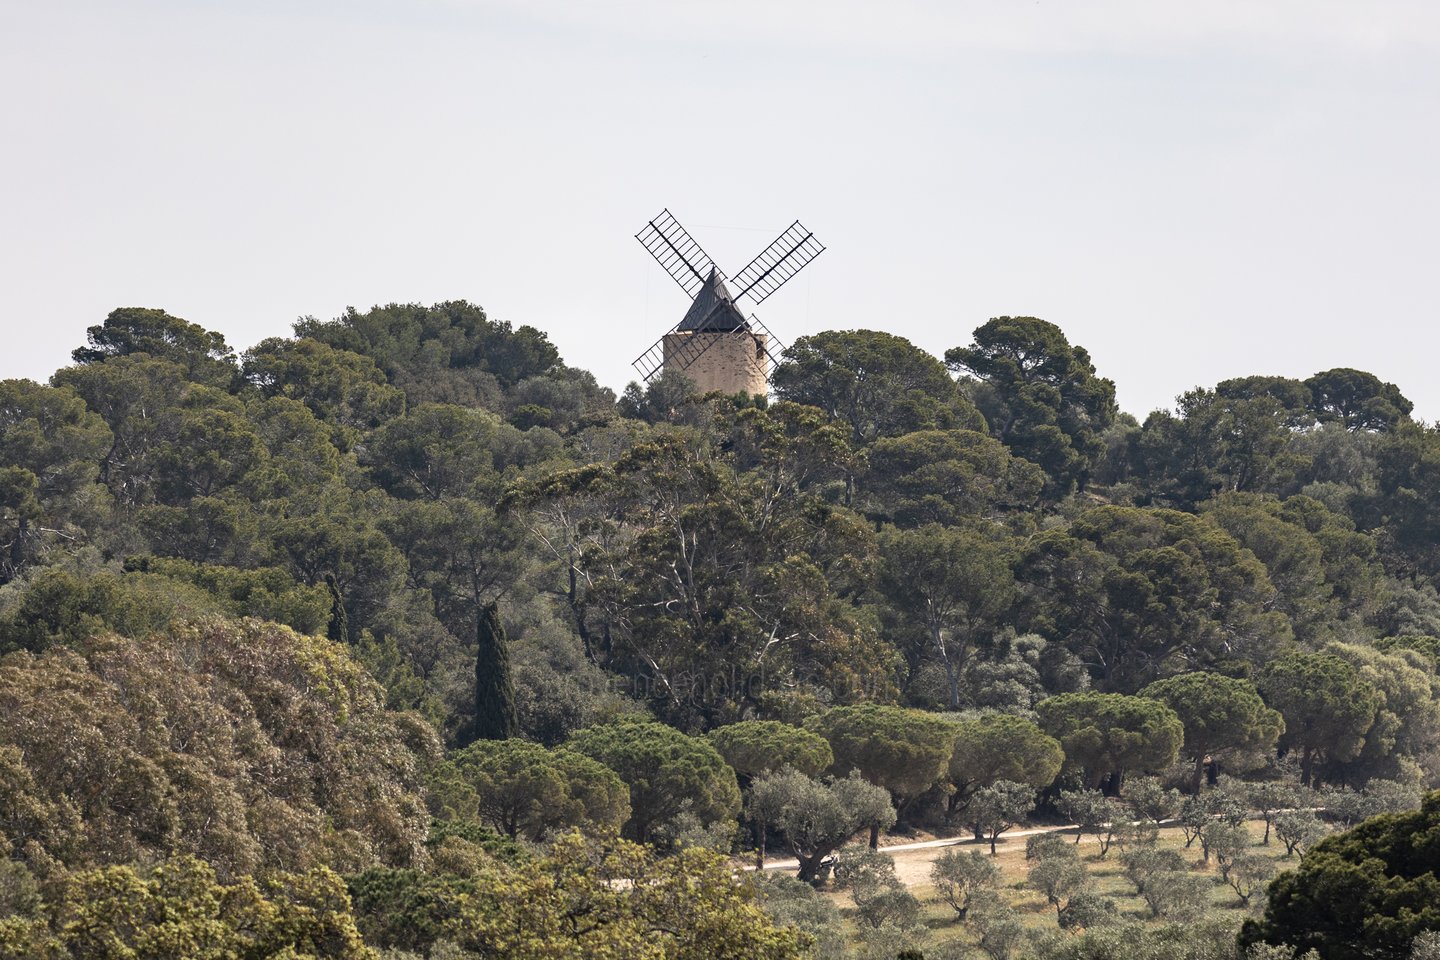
714	344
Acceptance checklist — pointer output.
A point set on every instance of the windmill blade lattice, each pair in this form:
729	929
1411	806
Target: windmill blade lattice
777	263
738	351
671	244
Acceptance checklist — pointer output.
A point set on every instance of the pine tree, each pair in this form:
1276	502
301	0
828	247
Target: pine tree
494	694
338	627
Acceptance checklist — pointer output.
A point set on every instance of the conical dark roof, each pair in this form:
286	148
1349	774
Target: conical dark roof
714	309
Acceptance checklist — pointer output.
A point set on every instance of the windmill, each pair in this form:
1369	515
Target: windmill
715	344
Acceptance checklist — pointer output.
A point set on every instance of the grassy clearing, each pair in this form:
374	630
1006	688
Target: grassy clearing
1106	873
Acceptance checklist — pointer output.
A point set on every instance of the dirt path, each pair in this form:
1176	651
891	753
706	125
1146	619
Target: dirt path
912	860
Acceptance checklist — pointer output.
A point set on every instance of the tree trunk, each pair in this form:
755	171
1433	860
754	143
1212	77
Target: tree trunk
17	549
810	866
952	678
338	626
1198	775
874	836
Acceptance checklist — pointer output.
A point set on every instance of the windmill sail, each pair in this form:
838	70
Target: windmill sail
715	344
674	248
780	261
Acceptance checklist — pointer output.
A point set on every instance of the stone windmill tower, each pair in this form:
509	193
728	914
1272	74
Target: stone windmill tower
715	344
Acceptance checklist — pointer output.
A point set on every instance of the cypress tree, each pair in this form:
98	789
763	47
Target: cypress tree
338	627
494	694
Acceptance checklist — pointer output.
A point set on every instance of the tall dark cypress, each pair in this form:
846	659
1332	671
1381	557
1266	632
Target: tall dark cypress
494	694
338	628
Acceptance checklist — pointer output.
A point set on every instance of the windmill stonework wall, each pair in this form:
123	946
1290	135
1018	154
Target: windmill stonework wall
733	362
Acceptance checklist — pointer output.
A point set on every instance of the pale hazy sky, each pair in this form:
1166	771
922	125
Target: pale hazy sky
1191	191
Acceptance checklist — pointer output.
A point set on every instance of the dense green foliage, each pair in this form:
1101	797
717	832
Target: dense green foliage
1365	893
699	594
241	743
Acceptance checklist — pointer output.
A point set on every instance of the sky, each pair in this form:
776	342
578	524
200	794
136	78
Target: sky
1190	191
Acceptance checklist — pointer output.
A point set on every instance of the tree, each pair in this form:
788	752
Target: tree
1139	594
1059	876
1407	722
1224	841
1213	443
1300	562
494	694
957	875
1087	910
449	352
818	817
997	746
1108	734
756	747
134	330
345	390
947	476
1149	798
1092	812
50	449
1364	893
879	384
581	899
1293	396
1040	395
1142	863
1299	830
1357	399
1270	798
243	744
668	773
178	908
994	809
904	751
696	560
1176	895
997	924
794	904
522	788
1223	717
953	584
1248	873
1328	707
1404	504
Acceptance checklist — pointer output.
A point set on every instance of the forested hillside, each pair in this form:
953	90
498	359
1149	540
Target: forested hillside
402	637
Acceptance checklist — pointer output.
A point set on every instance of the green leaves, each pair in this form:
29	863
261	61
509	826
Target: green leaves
1109	733
180	909
756	747
904	751
522	788
1040	395
878	384
1140	593
818	817
241	743
1364	893
667	772
1328	707
138	330
1224	718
